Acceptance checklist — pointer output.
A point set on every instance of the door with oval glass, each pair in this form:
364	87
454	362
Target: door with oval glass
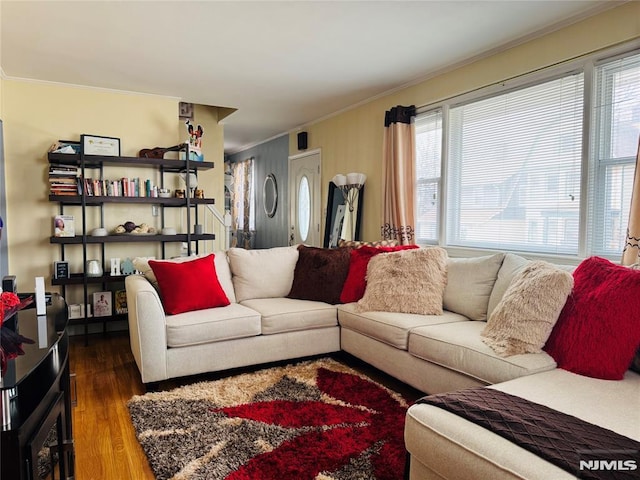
304	198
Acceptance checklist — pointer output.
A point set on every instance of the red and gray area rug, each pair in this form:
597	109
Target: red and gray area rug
315	420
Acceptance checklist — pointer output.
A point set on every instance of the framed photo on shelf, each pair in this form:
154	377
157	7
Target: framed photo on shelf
121	302
61	269
102	304
104	146
64	226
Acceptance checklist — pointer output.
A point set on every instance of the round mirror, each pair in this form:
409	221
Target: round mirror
270	195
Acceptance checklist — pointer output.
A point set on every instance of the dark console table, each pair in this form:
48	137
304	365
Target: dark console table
37	440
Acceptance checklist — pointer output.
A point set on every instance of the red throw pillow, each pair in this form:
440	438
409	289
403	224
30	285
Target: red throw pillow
189	286
598	331
356	283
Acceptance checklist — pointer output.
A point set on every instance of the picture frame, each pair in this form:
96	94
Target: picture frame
120	302
102	304
64	226
61	269
102	146
185	111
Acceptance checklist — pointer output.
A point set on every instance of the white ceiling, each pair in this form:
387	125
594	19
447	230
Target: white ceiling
281	64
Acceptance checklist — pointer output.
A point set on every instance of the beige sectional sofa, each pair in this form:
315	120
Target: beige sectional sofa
433	353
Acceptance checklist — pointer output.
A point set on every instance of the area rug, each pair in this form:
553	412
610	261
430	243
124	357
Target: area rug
315	420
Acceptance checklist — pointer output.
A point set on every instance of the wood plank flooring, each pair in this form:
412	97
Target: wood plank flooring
106	378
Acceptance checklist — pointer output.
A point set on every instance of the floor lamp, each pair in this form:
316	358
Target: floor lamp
350	184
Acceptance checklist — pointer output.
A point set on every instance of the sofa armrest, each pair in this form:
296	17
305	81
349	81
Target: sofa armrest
147	329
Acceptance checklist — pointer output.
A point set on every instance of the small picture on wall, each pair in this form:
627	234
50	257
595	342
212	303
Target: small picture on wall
102	304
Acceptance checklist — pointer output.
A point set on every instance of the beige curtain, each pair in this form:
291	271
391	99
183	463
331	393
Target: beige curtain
631	252
398	216
242	203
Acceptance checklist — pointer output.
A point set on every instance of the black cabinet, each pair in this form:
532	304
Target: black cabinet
37	433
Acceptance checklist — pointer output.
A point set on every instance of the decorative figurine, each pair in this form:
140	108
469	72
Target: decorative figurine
195	142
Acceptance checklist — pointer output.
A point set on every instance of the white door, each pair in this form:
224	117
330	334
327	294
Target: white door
304	199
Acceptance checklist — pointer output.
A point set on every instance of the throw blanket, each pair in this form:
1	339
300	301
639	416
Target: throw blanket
579	447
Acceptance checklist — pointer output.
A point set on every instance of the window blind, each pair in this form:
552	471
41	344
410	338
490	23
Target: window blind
514	169
428	128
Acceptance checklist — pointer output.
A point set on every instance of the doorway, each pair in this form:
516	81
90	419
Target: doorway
304	198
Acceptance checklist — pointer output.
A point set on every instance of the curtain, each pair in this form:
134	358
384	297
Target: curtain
631	252
398	180
242	204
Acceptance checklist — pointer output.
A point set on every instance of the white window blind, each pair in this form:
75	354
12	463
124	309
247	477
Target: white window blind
428	161
514	169
614	141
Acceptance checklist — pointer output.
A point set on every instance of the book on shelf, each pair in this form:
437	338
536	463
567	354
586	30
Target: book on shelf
120	302
63	180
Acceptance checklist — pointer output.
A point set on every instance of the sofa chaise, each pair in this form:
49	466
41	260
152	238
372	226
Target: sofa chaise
435	353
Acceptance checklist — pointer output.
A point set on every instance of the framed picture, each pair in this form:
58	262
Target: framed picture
103	146
61	269
64	226
120	302
102	304
185	111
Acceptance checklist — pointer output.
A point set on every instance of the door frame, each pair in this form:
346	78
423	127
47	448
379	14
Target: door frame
316	199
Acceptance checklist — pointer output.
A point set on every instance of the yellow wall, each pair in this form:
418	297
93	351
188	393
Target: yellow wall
37	114
352	141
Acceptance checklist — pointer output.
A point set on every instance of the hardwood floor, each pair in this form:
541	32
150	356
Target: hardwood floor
106	378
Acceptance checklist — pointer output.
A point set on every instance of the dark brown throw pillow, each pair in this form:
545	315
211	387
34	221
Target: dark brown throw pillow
320	274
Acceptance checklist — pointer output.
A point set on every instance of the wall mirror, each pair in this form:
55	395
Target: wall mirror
270	195
338	221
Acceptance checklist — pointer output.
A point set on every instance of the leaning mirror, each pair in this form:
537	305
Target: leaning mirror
270	195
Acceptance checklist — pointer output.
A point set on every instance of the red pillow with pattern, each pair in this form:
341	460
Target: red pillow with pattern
598	331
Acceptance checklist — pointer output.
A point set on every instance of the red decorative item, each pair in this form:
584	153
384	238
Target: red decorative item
188	286
8	303
598	331
10	341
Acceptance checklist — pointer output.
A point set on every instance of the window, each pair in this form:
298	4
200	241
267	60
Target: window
513	163
616	127
428	157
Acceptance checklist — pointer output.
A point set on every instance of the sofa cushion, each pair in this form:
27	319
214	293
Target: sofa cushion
598	332
320	273
511	265
457	448
188	286
524	318
469	284
356	283
409	281
387	327
212	325
289	315
264	273
220	260
458	346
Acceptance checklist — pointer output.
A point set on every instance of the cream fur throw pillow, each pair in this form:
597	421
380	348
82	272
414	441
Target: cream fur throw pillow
522	321
408	281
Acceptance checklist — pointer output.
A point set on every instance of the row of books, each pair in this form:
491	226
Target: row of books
63	180
124	187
